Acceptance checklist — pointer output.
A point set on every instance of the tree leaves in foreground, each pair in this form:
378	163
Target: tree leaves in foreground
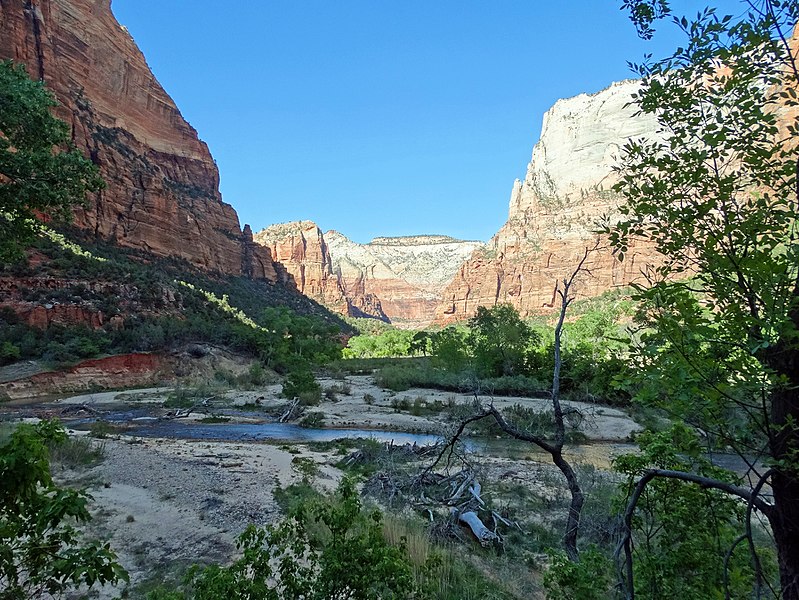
716	196
41	554
37	174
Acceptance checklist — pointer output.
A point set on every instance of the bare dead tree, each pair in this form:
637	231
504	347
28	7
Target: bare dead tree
554	446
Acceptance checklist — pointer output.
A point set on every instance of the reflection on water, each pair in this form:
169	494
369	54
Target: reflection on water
241	432
600	454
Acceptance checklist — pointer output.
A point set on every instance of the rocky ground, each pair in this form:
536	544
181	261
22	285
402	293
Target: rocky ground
166	503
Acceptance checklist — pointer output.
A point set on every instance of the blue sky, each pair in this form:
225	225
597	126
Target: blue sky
378	117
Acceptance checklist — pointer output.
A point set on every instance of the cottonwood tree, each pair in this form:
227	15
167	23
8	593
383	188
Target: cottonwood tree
40	173
717	197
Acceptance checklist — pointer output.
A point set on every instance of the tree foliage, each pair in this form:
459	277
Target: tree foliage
716	195
682	533
39	171
40	550
500	341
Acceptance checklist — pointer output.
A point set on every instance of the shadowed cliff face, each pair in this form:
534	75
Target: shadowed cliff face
302	253
162	190
396	279
554	211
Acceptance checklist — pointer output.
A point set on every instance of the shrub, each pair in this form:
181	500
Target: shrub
72	452
330	549
225	376
310	398
588	579
313	420
102	429
9	353
301	380
41	549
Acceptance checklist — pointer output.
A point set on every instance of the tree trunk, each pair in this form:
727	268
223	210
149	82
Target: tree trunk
784	518
783	357
575	508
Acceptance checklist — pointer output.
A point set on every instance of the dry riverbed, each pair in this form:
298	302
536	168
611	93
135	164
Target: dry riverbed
164	503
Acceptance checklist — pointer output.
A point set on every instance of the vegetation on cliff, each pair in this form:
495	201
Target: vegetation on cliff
155	305
35	179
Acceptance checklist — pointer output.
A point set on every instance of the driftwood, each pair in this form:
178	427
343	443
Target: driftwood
484	535
290	411
177	414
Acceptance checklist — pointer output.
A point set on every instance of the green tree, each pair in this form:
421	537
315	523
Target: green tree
500	341
39	171
716	195
684	536
40	552
448	346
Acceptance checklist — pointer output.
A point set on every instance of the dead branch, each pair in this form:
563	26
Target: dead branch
289	413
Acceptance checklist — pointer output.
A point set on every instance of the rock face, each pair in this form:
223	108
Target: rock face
304	260
113	372
554	211
408	274
162	191
392	279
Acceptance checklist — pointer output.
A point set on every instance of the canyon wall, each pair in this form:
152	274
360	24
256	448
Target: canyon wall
408	274
162	191
555	210
393	279
304	262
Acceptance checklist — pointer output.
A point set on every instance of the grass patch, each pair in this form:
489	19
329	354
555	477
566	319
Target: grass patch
103	429
214	419
412	373
442	573
295	495
76	452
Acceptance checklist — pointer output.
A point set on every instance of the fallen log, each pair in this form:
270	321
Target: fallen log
484	535
289	413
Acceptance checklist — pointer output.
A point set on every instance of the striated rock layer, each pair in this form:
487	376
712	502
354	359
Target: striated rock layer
408	274
554	212
304	261
393	279
162	191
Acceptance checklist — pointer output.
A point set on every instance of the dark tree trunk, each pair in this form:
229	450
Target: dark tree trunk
783	358
575	508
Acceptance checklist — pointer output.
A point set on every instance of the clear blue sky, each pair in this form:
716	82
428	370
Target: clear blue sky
378	117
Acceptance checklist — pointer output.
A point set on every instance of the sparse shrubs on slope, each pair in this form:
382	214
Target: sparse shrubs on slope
162	304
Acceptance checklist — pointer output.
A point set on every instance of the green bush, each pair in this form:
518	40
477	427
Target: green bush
41	549
588	579
9	353
330	549
313	420
301	380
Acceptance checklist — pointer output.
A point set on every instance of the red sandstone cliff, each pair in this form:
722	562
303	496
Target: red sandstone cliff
301	250
408	274
553	212
163	186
